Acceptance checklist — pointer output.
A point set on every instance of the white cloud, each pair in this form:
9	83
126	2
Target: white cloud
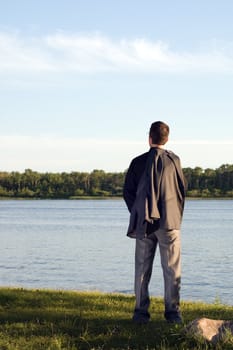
23	54
61	52
57	154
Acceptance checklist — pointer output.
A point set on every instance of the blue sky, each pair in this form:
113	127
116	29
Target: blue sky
81	82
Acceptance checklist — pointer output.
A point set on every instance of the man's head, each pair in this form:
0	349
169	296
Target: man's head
158	134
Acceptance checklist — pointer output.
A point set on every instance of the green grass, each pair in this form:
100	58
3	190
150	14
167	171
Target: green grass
55	320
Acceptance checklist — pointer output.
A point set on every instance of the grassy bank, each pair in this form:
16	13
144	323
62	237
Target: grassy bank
55	320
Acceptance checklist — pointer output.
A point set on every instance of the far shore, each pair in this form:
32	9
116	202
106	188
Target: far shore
105	198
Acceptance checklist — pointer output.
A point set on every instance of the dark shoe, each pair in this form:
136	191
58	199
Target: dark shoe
140	317
173	317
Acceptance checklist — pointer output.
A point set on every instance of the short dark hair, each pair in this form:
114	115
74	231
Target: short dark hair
159	132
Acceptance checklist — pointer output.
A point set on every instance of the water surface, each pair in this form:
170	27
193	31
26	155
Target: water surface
82	245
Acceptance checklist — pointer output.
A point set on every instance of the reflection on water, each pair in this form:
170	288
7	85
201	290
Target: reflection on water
83	245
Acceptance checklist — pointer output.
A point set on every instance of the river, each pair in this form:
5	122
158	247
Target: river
82	245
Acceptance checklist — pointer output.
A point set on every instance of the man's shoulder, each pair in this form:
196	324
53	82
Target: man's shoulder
172	155
140	158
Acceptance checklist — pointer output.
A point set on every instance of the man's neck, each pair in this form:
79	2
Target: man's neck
156	145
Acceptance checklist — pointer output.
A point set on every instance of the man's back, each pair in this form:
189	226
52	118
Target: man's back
154	192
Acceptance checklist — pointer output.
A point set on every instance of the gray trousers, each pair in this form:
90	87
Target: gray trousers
169	246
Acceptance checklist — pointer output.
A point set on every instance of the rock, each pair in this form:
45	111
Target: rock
211	330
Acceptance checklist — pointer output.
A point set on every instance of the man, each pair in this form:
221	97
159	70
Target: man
154	193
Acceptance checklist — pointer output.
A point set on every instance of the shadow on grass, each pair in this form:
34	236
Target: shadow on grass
78	320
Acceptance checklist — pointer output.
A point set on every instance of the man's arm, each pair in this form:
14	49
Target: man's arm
134	173
130	187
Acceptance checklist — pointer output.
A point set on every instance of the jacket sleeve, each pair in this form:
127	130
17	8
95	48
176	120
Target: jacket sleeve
130	187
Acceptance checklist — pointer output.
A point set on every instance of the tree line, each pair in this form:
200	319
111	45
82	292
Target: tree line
98	183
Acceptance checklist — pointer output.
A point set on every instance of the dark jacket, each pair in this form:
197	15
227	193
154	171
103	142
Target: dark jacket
154	192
